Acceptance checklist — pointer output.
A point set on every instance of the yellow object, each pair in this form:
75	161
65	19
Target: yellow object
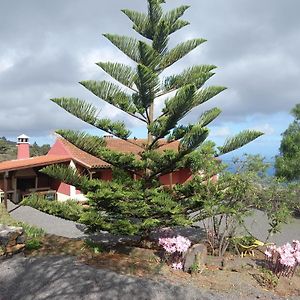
249	249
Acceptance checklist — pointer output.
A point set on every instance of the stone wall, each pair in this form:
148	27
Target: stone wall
12	240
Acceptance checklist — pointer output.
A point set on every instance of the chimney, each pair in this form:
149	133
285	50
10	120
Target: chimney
108	137
23	147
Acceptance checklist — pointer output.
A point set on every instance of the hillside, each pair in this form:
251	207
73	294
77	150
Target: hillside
8	149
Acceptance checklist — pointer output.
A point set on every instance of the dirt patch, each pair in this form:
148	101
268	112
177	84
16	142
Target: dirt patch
242	276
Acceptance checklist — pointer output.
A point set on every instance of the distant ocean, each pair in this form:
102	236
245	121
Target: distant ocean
270	171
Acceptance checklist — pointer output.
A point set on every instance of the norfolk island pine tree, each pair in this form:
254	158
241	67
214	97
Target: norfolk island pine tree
130	206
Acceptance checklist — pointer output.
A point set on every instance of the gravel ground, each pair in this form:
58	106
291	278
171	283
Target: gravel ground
63	278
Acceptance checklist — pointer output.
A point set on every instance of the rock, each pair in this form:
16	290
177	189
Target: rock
12	240
215	262
15	249
195	258
237	264
21	239
146	254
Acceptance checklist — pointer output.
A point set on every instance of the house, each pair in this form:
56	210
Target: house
21	177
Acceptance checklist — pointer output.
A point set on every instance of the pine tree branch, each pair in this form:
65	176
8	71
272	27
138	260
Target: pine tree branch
206	94
176	108
114	95
67	175
89	114
148	56
193	139
141	23
238	141
120	72
94	146
171	18
127	45
205	119
197	75
179	52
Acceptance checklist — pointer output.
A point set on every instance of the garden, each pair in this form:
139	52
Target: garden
214	202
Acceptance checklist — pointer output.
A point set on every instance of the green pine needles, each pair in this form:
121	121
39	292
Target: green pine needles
136	206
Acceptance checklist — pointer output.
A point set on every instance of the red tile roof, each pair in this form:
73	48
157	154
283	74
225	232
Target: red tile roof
136	145
83	157
32	162
71	152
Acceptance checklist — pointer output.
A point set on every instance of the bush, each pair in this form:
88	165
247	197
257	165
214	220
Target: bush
69	210
33	244
31	232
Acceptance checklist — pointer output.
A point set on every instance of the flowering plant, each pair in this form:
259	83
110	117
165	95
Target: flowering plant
175	248
283	260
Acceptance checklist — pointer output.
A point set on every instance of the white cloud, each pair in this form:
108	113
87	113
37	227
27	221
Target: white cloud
220	132
266	128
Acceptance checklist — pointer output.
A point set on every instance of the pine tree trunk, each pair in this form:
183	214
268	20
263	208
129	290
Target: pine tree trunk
151	117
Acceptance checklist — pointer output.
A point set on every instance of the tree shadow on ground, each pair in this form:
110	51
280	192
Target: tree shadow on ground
64	278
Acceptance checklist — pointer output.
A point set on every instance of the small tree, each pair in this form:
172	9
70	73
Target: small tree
3	146
125	205
287	163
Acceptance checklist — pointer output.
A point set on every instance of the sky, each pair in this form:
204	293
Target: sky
47	47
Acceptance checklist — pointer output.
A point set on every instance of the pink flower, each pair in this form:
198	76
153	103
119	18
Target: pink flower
176	244
182	244
268	253
288	260
177	266
297	256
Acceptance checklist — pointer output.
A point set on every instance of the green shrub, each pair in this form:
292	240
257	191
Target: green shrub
94	247
33	244
69	210
31	231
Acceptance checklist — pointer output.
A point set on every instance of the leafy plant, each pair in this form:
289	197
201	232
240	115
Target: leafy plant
266	279
32	231
94	247
33	244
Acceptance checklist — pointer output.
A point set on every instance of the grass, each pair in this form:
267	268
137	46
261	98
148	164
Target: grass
5	218
266	279
33	234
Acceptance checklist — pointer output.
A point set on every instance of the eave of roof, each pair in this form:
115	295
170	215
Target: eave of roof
32	162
